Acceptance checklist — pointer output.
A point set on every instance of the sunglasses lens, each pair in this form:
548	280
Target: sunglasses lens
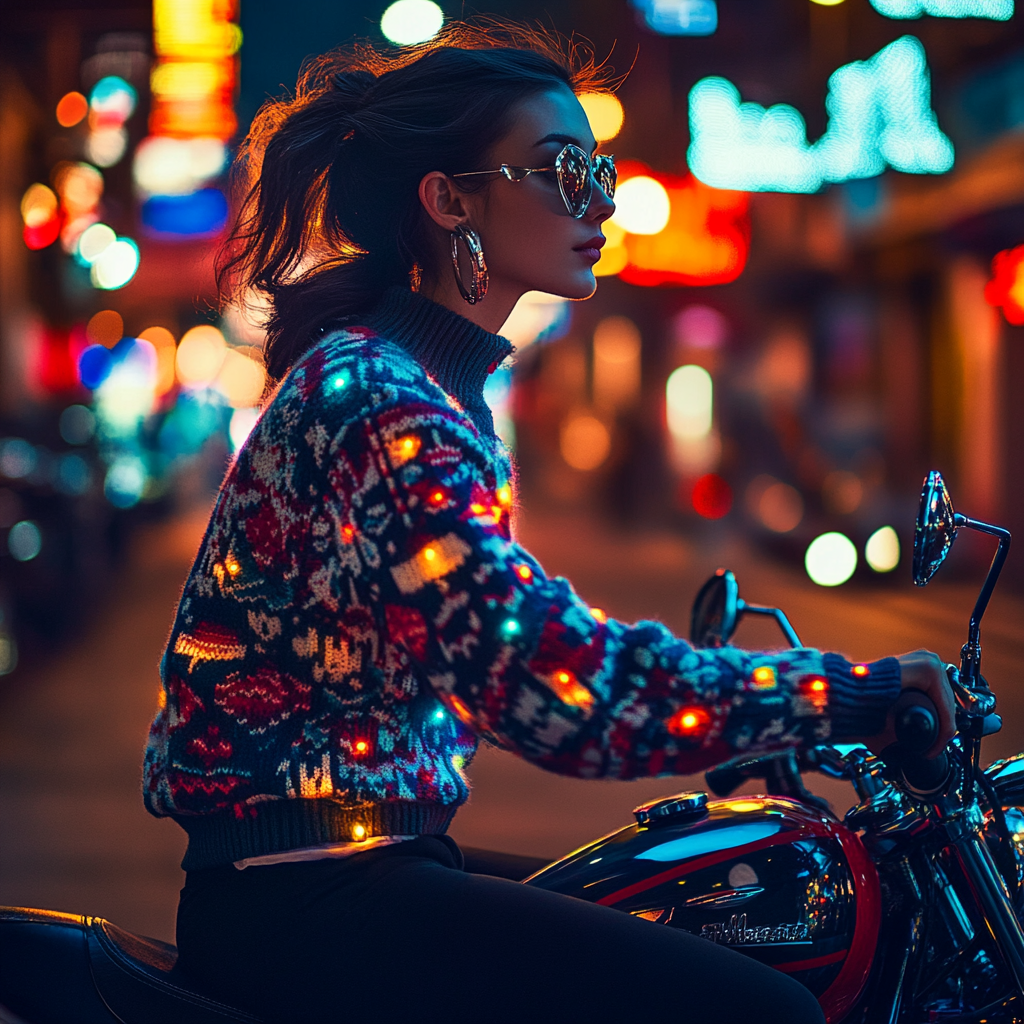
573	169
606	175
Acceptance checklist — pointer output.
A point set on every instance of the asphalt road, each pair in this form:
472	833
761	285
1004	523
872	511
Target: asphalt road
74	833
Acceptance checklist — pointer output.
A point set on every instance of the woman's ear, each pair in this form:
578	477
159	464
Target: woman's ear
444	203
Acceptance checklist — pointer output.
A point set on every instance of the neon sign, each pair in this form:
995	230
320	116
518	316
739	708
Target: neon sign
191	119
1006	289
996	10
879	115
703	237
679	17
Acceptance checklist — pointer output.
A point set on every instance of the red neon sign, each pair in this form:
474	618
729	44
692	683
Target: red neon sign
706	240
1006	288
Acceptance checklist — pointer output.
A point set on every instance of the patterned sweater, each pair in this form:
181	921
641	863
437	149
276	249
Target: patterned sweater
359	615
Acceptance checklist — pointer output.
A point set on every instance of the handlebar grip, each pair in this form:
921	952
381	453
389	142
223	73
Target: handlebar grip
916	722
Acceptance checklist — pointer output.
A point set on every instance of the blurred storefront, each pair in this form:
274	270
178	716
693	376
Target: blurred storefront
123	385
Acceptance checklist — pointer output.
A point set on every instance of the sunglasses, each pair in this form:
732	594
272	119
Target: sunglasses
576	173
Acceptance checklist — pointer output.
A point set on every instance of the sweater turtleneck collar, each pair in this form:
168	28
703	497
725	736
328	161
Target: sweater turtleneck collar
457	353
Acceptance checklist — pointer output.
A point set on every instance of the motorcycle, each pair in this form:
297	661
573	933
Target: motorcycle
907	910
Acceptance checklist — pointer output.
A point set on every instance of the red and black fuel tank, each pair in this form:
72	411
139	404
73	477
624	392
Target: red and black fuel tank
772	878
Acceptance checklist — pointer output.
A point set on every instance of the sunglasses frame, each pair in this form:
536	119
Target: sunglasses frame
599	163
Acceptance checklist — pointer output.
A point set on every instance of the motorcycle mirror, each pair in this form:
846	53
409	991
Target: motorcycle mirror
715	611
936	528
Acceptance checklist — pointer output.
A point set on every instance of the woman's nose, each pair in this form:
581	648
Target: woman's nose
601	207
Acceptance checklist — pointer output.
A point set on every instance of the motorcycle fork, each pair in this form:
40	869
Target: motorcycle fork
993	900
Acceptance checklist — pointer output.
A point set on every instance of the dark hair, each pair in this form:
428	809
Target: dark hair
329	214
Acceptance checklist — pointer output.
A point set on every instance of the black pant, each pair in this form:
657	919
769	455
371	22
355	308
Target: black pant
405	934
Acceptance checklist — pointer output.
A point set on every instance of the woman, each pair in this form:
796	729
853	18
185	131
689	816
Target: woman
359	615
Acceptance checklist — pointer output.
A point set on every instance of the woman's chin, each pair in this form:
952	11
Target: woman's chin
579	286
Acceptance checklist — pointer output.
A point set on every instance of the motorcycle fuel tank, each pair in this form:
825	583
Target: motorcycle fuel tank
769	877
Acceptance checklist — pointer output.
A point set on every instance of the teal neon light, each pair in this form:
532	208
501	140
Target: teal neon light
679	17
996	10
879	115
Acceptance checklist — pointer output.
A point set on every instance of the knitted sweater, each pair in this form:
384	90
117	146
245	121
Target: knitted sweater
359	615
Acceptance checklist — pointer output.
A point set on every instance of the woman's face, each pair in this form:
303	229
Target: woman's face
529	238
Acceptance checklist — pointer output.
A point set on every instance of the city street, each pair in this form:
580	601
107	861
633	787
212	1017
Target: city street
77	838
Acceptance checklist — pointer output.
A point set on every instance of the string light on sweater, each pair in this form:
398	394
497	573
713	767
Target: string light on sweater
690	721
402	449
570	691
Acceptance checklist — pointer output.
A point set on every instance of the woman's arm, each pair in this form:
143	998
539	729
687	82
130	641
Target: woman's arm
522	660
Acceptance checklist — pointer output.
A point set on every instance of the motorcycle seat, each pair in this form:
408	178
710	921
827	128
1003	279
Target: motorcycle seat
56	968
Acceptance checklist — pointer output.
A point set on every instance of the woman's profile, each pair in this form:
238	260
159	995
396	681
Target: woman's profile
360	615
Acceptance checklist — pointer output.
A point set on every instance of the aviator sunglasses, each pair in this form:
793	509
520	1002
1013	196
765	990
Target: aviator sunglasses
576	173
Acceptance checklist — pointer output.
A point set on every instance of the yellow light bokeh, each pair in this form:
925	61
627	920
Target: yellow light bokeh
642	206
166	350
613	260
189	80
585	442
604	112
38	205
241	380
196	29
200	356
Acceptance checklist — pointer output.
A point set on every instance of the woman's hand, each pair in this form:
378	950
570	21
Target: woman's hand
925	671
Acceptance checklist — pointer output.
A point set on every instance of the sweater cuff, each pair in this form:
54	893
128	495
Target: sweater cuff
859	696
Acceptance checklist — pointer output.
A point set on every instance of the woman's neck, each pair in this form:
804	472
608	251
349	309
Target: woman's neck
490	313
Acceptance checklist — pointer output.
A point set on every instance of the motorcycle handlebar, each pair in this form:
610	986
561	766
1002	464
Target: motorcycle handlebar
916	724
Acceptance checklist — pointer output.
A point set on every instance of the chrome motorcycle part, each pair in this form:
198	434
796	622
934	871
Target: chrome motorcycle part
715	614
952	910
936	528
673	808
994	900
718	609
1007	777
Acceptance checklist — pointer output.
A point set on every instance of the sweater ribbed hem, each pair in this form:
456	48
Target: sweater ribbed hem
279	825
858	704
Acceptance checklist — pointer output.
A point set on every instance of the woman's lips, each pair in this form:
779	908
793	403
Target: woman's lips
591	249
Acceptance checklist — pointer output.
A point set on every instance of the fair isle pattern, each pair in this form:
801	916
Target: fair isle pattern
359	614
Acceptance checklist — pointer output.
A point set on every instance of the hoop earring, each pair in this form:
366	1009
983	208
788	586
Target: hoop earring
478	265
